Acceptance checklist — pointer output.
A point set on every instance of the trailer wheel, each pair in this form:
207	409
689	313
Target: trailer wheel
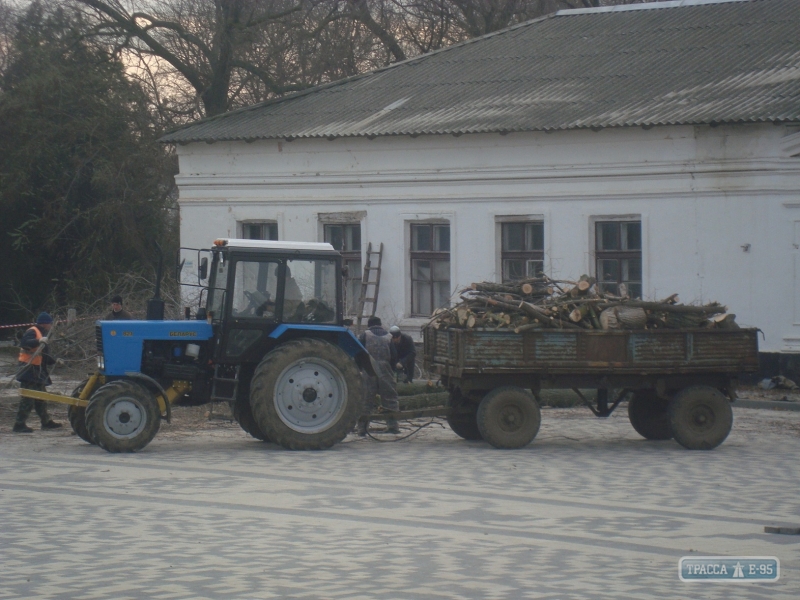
123	416
306	395
77	416
649	415
701	417
509	417
463	417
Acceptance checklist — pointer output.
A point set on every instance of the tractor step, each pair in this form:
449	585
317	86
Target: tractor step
227	382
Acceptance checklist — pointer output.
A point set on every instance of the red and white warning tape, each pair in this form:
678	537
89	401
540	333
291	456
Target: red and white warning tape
17	326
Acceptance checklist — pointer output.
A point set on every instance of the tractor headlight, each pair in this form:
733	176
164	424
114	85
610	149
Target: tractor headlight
101	364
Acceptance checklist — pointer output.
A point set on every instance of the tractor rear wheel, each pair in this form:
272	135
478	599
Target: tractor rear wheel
243	414
77	415
123	416
649	415
509	417
306	395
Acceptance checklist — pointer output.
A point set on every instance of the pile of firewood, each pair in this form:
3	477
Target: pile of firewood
544	303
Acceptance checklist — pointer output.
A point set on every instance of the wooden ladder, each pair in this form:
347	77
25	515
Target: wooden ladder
369	286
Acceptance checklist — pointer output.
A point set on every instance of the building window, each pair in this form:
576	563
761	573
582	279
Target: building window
522	249
619	256
430	268
346	239
260	231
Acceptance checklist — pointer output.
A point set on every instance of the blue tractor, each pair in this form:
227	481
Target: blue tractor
268	338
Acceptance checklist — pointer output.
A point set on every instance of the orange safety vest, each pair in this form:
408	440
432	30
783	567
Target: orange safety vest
26	356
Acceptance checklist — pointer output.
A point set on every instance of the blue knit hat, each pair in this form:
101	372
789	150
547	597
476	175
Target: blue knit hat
44	319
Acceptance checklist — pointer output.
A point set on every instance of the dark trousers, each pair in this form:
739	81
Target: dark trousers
408	363
27	404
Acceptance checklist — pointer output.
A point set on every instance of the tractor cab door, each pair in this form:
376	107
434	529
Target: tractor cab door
252	308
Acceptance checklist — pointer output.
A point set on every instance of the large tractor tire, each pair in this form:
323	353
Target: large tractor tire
77	416
463	417
306	395
123	416
649	415
701	417
509	417
243	414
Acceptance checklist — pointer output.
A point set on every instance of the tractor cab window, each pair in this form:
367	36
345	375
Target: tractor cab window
310	291
255	289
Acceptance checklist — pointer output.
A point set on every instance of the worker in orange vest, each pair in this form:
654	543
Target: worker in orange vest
32	373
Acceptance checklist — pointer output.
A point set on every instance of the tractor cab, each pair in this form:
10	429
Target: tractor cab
257	287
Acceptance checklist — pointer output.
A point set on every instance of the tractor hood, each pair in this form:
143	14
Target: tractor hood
119	343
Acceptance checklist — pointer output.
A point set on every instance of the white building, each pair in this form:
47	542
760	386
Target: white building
656	145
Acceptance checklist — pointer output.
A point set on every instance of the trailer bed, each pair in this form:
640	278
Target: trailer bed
460	352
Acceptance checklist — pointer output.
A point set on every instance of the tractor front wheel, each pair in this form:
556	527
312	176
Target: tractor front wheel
123	416
306	395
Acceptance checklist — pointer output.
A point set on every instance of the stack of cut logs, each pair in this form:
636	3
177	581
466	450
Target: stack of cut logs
544	303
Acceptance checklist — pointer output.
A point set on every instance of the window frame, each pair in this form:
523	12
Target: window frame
527	254
268	230
618	254
348	256
431	256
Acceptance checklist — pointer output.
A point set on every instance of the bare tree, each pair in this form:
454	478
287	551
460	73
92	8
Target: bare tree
411	27
204	57
7	17
205	42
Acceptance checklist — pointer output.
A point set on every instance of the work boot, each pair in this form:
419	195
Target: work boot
22	428
51	425
392	426
362	428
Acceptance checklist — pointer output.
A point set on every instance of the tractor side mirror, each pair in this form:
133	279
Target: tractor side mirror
202	269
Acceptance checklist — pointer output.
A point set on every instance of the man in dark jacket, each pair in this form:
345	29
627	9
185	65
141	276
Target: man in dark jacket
117	313
406	352
378	343
32	373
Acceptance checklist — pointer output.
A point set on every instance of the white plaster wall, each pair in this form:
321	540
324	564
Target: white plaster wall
701	192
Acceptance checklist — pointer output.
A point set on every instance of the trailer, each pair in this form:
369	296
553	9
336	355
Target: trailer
679	383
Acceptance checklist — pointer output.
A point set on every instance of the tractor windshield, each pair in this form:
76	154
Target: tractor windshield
310	291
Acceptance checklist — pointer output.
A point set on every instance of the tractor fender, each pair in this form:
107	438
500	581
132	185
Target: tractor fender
152	383
343	337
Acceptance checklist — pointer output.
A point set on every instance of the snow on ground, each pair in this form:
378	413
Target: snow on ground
588	510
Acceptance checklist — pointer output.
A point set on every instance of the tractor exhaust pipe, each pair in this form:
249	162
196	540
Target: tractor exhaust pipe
155	306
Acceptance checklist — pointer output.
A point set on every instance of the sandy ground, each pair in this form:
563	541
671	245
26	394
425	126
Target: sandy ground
589	510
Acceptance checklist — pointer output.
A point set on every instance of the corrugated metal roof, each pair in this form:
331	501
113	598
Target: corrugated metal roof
670	63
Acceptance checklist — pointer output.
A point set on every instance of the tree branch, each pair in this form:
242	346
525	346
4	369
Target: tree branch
120	20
